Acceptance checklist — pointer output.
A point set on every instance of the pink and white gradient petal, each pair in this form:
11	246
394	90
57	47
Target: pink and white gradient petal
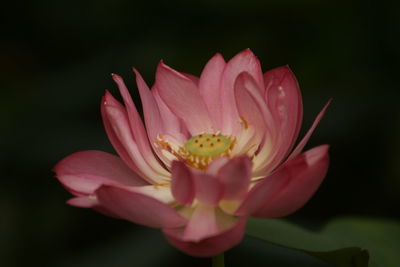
138	208
83	172
118	118
245	61
137	128
183	98
210	90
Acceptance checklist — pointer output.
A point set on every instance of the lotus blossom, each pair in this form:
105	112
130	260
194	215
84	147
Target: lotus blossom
212	152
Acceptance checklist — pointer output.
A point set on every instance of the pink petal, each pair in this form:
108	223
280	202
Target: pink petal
235	177
248	108
172	125
183	98
192	77
98	163
288	188
138	208
208	187
210	90
305	139
216	164
151	111
211	246
245	61
155	125
245	82
136	125
202	224
112	136
83	172
284	100
90	202
83	202
118	121
182	183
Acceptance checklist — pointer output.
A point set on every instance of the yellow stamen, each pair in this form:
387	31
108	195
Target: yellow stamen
244	121
156	186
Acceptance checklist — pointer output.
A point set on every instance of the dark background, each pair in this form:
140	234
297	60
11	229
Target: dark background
55	63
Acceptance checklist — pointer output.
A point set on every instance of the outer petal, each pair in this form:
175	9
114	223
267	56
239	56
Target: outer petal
283	98
138	208
182	183
210	89
112	136
288	188
192	77
136	125
152	116
117	120
245	61
183	98
235	177
210	246
83	202
304	141
83	172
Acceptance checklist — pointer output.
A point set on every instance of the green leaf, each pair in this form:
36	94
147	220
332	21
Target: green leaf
342	242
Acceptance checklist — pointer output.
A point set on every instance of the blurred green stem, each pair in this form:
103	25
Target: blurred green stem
218	260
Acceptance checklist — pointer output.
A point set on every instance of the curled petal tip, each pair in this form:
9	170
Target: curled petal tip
134	70
116	78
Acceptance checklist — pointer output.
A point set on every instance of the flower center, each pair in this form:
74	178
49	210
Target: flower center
201	149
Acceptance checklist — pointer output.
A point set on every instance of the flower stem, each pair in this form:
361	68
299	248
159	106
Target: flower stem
218	260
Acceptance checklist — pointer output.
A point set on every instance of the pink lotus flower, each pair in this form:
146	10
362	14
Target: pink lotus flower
214	151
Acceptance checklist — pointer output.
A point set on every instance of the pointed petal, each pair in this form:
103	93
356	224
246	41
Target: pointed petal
235	177
182	183
138	208
155	125
183	98
305	139
118	120
288	188
245	61
210	88
112	136
136	125
151	112
211	246
283	97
